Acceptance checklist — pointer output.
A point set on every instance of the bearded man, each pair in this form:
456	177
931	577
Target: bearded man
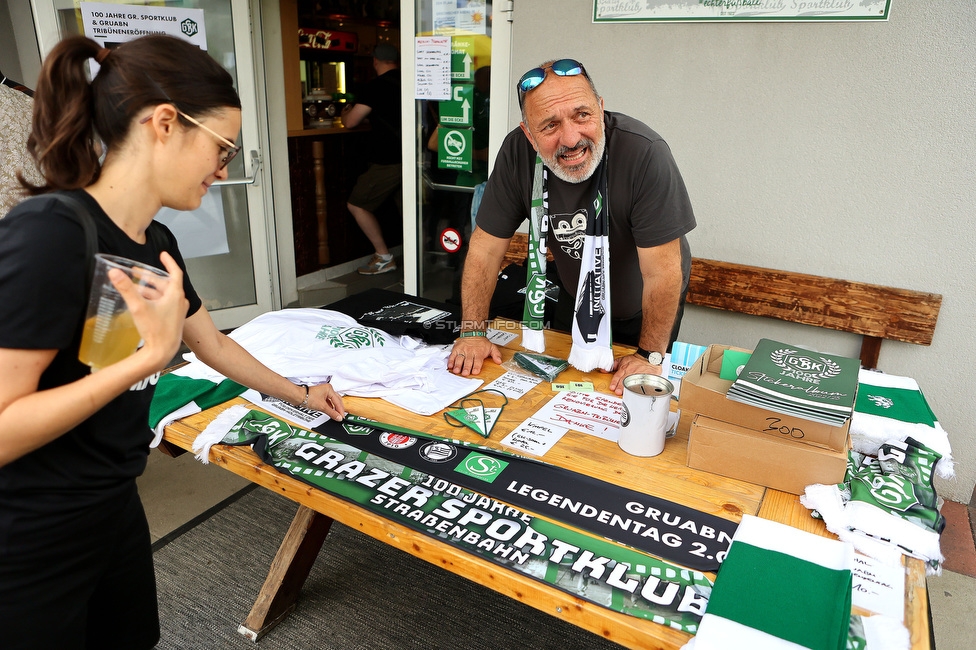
601	190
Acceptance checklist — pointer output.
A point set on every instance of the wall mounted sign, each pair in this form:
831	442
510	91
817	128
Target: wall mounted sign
634	11
110	25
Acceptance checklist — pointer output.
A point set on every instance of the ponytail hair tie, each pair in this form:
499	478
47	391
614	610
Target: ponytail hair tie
102	55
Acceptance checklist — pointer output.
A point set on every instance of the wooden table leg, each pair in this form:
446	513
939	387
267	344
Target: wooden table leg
170	449
288	572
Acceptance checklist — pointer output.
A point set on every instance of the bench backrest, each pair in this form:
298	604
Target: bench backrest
874	311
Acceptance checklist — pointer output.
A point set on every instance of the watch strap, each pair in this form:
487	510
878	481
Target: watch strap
654	358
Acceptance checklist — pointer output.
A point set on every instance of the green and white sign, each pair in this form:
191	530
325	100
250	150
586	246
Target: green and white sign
632	11
454	148
462	58
459	109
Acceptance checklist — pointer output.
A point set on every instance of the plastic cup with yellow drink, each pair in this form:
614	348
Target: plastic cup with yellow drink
110	334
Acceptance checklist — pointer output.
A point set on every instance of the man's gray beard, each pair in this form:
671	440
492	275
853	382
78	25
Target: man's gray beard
578	175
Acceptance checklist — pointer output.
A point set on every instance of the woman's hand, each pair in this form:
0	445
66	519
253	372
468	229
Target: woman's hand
323	397
158	316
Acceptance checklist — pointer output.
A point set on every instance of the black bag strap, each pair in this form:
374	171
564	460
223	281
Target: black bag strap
87	222
154	233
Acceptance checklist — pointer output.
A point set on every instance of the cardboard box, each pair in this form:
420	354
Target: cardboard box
737	452
704	392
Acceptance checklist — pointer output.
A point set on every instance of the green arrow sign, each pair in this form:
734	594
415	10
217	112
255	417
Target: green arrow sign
462	58
459	109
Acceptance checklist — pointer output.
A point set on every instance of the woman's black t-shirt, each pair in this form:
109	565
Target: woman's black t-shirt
43	301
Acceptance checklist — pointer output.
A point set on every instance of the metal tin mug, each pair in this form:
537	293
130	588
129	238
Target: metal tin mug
644	415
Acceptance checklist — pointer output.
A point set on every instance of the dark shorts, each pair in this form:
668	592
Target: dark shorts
375	185
83	578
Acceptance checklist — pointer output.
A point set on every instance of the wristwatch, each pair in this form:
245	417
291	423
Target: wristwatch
654	358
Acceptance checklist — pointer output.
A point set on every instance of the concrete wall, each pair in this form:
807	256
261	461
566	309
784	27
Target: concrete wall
844	150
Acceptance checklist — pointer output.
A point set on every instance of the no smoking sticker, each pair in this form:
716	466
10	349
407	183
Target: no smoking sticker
450	240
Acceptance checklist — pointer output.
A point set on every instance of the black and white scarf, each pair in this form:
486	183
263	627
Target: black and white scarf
592	347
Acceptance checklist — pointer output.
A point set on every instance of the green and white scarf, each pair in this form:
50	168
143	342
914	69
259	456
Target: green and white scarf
592	347
779	588
891	407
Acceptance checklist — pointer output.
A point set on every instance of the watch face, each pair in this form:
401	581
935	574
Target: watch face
655	358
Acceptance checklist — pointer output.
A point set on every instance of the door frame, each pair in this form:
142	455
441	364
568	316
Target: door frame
250	61
501	65
283	273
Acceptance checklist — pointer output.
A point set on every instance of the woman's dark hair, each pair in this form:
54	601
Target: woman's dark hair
71	115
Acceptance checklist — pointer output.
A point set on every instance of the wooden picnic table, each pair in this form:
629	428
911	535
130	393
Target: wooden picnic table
666	476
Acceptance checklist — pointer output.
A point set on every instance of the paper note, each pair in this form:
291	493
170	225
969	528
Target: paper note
578	386
534	437
433	67
593	413
513	385
879	588
501	337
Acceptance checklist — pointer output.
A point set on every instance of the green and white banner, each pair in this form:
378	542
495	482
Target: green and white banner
585	566
632	11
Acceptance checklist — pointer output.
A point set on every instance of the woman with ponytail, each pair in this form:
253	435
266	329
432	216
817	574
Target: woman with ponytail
155	127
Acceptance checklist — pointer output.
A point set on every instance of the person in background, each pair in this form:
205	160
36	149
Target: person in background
592	164
15	119
76	565
379	101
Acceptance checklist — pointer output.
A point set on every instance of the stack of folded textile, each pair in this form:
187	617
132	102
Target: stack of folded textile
779	587
886	506
890	407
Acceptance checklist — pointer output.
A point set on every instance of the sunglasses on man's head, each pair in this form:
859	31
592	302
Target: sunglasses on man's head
534	77
232	149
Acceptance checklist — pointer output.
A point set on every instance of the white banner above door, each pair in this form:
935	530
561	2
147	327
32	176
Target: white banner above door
633	11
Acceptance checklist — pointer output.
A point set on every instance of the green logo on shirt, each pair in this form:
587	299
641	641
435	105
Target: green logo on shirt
350	337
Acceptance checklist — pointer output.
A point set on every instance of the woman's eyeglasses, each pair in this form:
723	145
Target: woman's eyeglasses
534	77
232	149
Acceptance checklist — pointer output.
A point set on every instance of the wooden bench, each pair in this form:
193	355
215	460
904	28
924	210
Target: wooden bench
874	311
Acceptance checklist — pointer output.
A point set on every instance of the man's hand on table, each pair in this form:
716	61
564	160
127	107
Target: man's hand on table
324	397
469	354
630	365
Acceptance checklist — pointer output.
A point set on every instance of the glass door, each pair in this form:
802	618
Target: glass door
456	131
226	240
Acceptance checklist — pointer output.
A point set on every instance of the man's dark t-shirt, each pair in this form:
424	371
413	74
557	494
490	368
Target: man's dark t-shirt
647	201
382	95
